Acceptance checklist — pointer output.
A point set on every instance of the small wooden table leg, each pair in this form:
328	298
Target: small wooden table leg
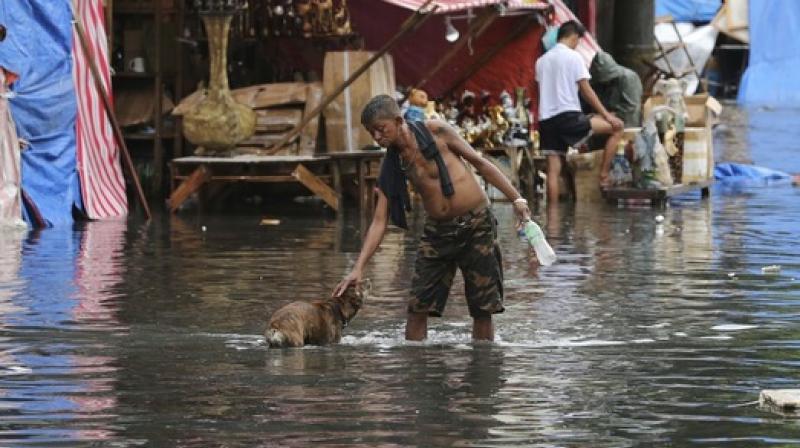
370	187
361	186
336	171
316	185
193	183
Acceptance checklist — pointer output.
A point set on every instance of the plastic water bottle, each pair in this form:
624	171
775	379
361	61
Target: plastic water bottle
620	168
535	236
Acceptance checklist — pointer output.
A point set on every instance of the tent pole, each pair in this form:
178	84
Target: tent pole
491	53
412	23
110	112
475	30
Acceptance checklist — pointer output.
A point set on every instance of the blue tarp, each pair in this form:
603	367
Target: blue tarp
688	10
771	77
741	174
38	48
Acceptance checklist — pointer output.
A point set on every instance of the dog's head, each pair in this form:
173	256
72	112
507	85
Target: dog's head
352	299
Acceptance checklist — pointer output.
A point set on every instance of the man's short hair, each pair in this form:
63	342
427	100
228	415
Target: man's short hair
379	107
569	28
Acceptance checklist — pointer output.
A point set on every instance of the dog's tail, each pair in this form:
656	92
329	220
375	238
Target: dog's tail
276	338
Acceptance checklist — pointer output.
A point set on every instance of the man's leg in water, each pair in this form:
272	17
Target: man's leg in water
417	326
483	329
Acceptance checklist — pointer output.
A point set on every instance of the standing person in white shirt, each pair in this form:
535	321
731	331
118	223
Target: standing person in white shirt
562	76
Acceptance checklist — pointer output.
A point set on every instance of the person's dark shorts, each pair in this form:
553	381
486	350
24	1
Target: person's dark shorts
469	243
561	131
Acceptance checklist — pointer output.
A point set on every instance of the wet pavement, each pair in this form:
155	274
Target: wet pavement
125	334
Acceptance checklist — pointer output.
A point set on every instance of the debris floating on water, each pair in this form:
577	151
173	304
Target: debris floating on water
203	228
659	218
771	269
733	327
269	222
781	400
731	274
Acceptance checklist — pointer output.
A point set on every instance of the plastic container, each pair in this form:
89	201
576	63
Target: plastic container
620	173
535	236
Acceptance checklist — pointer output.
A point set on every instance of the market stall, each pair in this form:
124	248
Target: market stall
472	59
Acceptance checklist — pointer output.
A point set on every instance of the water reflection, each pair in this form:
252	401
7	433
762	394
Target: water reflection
125	334
57	283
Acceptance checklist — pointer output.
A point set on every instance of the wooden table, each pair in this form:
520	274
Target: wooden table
323	174
367	164
658	197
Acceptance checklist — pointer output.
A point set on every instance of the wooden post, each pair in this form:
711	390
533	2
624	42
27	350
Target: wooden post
361	175
110	112
411	24
158	144
336	172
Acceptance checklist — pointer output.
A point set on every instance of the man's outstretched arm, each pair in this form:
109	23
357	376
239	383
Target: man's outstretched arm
371	242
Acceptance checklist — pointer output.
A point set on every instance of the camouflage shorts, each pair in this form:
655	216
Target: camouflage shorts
469	243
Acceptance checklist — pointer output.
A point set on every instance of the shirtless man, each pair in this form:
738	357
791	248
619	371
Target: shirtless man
460	229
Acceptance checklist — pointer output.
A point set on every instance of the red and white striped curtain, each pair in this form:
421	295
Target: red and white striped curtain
102	182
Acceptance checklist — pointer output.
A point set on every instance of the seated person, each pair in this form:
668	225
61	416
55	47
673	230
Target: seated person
619	88
562	75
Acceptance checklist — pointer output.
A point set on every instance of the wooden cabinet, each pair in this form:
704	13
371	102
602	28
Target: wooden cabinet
147	80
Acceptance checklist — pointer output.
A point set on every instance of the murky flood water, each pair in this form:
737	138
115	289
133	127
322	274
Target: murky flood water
124	334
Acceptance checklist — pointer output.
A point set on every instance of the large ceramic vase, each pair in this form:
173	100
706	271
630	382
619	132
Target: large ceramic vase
217	123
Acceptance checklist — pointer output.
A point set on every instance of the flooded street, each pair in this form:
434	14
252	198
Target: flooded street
126	334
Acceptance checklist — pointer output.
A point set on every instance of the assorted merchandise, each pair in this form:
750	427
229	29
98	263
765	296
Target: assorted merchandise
306	18
620	173
650	155
417	103
483	122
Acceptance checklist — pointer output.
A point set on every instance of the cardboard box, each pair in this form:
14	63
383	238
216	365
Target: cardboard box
698	155
343	129
703	109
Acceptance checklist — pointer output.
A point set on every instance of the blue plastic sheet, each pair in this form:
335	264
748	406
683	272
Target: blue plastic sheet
39	48
771	77
688	10
749	175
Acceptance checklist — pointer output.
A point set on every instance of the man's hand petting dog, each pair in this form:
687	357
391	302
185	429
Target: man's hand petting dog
316	323
353	278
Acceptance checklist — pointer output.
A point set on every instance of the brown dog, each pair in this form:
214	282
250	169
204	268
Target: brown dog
316	323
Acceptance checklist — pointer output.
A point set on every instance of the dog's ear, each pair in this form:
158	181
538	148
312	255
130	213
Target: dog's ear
365	286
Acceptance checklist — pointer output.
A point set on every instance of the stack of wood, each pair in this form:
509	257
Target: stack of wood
343	129
279	108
